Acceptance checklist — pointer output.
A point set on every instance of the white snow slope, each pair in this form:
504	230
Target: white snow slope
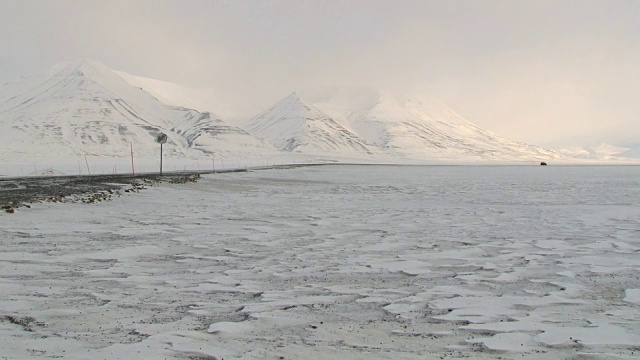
293	125
201	99
84	108
419	129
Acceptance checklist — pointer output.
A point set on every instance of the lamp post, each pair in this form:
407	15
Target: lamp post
162	138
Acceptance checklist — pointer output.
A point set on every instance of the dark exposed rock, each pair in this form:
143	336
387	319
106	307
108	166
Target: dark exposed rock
85	189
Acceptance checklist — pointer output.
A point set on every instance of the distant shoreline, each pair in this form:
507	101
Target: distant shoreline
19	192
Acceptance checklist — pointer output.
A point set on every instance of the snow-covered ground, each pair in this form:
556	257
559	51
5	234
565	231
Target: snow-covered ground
333	262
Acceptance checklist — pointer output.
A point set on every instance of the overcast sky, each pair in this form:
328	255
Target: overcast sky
551	73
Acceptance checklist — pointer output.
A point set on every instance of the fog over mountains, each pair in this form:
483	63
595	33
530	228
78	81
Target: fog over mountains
83	108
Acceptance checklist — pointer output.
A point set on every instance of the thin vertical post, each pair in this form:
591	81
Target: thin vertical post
133	170
86	162
160	158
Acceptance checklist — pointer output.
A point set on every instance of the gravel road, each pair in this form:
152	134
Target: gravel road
19	192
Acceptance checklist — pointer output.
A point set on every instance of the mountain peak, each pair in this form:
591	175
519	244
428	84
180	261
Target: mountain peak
80	67
294	98
87	75
87	108
293	102
293	125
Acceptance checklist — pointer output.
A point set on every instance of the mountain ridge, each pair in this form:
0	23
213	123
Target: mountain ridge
84	108
292	125
420	129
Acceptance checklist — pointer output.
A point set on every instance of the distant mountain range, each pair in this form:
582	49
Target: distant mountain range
84	108
602	151
366	120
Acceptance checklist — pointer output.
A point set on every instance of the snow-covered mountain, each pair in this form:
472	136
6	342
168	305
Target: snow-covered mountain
634	152
201	99
603	151
295	126
388	123
84	108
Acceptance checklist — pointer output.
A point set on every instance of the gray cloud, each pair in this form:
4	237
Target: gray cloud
544	72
